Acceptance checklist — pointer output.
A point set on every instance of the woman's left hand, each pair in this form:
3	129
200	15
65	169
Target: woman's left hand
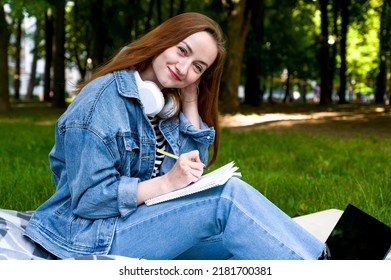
189	100
189	94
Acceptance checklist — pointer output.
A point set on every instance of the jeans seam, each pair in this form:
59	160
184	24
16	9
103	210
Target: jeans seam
160	213
255	221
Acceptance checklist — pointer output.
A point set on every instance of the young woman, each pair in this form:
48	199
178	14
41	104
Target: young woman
105	163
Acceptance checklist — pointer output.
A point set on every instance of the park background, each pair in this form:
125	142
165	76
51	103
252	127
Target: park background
304	96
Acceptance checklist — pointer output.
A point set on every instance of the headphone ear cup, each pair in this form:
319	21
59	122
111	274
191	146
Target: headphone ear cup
151	97
153	100
171	107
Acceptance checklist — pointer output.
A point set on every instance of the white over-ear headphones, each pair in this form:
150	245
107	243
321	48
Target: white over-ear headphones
154	101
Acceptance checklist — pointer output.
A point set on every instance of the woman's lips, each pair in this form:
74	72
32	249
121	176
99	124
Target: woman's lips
173	74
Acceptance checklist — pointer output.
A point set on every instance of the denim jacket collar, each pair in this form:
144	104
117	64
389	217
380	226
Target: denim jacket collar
126	84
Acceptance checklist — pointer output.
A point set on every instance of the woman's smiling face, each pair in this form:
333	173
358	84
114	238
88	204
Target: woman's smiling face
183	64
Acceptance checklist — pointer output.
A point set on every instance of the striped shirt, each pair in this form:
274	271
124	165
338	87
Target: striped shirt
160	144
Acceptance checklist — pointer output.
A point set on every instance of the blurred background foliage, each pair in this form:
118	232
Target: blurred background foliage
324	51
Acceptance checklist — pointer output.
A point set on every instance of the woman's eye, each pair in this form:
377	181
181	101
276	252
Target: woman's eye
198	68
182	50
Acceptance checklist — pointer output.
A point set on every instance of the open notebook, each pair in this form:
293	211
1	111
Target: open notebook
215	178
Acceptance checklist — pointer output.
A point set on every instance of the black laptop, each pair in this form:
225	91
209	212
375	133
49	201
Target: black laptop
359	236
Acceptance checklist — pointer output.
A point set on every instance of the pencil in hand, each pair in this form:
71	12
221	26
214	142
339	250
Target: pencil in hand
171	155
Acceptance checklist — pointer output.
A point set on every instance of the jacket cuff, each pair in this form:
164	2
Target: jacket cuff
127	195
204	134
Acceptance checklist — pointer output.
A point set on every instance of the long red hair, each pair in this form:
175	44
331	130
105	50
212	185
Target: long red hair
139	54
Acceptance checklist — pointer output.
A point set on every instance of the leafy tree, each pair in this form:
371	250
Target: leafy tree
363	45
79	37
264	38
289	46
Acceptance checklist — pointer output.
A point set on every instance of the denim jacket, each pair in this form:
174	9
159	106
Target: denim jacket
104	146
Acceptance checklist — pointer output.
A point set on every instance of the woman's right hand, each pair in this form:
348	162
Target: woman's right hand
187	169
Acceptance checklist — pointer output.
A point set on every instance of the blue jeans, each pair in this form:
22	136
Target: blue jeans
233	221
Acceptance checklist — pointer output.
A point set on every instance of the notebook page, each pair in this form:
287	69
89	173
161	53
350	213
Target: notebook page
215	178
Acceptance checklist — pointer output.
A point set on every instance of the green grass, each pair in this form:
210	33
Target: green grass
300	173
26	137
24	174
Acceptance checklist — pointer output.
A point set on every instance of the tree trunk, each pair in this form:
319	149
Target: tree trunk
147	25
252	86
99	33
238	22
59	56
325	84
270	98
49	55
171	9
253	92
181	8
33	76
159	12
33	71
303	91
333	56
5	106
288	95
344	31
18	49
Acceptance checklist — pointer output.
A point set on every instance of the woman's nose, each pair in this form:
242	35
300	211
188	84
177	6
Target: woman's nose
182	66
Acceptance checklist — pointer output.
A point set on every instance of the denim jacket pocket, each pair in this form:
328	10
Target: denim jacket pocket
129	151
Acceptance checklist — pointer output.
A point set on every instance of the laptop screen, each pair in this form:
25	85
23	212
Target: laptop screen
359	236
